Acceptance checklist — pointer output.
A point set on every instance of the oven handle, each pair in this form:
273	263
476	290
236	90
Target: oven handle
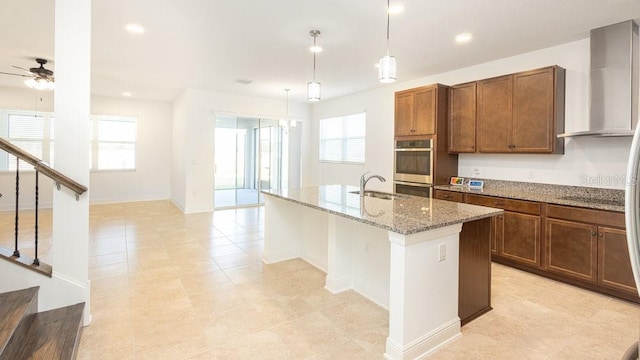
414	149
413	184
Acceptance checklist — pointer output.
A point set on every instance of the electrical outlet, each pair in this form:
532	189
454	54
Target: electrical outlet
442	252
367	246
476	172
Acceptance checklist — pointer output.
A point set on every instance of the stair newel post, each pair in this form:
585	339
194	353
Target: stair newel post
36	261
16	252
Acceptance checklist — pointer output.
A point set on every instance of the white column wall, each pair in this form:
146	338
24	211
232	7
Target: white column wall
72	111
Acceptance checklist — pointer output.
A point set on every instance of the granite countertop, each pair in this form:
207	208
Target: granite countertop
580	196
406	215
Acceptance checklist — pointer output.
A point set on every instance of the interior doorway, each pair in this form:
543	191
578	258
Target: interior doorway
251	154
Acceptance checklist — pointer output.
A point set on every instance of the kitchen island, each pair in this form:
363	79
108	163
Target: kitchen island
402	253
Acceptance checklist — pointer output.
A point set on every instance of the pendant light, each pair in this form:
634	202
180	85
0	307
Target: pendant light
313	88
387	63
292	123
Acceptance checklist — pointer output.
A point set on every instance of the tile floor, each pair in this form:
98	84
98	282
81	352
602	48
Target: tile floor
165	285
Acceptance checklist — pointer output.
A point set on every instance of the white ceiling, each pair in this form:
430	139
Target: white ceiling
208	44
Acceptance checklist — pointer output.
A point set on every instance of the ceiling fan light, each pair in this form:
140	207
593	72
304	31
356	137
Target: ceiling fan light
387	69
40	84
313	91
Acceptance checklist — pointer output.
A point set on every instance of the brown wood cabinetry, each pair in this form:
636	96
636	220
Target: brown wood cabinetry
417	110
572	249
589	246
448	195
614	264
516	233
494	114
474	284
516	113
462	118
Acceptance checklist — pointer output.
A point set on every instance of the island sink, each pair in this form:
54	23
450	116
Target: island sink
380	195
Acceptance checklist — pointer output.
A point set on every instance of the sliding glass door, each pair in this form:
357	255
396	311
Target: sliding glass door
249	157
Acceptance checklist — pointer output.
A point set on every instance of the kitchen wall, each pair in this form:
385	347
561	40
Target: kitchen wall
149	181
596	162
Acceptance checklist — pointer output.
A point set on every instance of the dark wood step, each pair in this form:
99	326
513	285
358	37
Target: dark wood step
53	334
14	306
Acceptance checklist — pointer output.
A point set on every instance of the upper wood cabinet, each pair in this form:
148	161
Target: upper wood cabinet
495	114
516	113
417	111
462	118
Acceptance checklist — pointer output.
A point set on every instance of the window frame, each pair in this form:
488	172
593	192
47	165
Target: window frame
94	141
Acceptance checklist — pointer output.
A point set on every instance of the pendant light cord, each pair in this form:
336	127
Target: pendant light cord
314	57
388	5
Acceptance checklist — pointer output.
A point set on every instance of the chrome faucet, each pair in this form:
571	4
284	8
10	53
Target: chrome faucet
364	179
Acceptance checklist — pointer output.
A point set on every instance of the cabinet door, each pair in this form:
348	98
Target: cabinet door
521	238
404	114
495	114
533	111
462	118
424	116
572	249
614	265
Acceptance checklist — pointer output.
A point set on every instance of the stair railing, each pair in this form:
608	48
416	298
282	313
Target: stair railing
40	167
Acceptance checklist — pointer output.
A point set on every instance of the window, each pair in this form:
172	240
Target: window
113	139
113	145
342	139
31	131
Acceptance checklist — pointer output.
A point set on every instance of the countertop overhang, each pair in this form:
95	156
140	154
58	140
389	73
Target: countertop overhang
404	216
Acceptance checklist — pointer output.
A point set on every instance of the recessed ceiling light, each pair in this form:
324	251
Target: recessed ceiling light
134	28
396	8
126	94
463	38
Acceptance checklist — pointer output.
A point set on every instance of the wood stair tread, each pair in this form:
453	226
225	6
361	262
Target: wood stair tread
53	334
14	306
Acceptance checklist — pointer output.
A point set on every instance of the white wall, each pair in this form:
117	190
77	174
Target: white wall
192	181
596	162
150	180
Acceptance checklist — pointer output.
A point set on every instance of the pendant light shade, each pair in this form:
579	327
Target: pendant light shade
387	63
313	91
387	69
313	87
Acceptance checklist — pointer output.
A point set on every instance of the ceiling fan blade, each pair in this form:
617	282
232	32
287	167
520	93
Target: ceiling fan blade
23	69
5	73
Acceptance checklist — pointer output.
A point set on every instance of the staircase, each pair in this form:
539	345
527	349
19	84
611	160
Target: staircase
26	333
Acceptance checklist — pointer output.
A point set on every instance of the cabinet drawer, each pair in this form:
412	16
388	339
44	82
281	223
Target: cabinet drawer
521	206
590	216
449	195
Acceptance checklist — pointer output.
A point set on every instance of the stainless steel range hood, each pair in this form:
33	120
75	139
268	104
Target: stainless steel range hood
613	90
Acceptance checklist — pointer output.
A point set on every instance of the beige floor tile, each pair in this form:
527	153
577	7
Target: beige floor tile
165	285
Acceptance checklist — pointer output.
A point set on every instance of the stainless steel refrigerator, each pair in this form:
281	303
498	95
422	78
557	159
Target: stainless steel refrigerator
632	219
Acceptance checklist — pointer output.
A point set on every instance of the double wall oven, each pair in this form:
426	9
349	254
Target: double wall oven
413	174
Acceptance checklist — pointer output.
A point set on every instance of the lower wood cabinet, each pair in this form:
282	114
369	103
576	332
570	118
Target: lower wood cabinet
589	246
572	249
516	233
614	264
579	246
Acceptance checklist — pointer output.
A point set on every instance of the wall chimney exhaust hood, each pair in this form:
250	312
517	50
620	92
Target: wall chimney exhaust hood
613	88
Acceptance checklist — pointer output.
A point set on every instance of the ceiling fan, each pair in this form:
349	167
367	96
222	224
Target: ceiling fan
40	78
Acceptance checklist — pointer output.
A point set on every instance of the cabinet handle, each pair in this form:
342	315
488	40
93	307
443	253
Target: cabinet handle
445	196
498	203
593	233
600	234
